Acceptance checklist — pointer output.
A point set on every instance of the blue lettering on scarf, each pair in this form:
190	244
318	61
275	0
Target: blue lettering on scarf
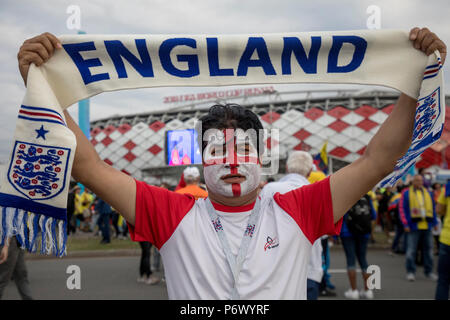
256	46
259	45
358	56
117	51
213	59
294	45
191	59
83	65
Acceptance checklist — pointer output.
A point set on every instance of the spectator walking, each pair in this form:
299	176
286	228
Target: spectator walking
355	234
71	210
383	212
146	275
437	189
83	201
115	222
191	177
104	211
12	264
326	288
156	260
443	208
417	212
123	228
399	242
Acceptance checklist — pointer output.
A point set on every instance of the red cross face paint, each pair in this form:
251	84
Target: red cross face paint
230	160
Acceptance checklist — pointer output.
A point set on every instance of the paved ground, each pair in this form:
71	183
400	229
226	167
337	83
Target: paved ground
115	278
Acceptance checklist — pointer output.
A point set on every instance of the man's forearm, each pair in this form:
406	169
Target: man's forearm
114	187
394	137
85	154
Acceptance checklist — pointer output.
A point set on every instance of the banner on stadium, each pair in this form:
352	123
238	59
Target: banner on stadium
34	189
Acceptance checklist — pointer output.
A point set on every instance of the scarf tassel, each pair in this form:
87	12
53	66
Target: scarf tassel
32	229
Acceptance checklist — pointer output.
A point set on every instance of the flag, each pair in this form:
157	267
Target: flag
321	159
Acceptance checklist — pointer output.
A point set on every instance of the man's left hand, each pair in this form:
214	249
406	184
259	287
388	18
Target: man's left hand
428	42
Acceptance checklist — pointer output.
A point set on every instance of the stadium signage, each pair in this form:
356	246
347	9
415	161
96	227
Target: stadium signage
233	93
182	57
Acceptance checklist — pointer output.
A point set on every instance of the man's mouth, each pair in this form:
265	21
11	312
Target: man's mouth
233	178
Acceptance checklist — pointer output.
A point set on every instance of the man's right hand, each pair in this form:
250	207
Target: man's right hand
113	186
36	50
407	229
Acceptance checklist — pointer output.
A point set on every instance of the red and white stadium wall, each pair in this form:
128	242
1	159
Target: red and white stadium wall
133	148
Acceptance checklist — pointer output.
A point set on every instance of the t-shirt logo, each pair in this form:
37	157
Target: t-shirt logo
271	243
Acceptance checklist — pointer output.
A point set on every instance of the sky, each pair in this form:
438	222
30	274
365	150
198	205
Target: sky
20	20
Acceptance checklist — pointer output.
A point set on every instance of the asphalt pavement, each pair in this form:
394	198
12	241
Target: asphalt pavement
115	277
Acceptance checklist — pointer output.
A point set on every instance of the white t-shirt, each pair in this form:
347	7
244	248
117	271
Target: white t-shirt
195	264
287	183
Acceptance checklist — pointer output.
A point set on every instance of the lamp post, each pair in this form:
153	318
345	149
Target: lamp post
83	112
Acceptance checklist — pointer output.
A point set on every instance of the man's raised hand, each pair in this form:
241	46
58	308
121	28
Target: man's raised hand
36	50
428	42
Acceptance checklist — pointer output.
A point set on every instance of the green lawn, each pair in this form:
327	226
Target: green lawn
93	243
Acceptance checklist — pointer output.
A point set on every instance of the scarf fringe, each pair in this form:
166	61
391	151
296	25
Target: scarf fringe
31	228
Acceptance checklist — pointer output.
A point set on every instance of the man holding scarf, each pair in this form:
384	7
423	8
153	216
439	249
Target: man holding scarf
205	260
418	215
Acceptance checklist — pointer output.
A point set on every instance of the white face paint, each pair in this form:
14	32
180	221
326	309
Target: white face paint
231	153
214	183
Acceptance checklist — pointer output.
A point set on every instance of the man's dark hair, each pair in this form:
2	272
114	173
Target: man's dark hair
229	116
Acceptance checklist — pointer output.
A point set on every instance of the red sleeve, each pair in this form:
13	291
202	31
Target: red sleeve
158	213
312	208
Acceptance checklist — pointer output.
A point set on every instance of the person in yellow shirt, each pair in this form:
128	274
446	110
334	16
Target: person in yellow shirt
418	215
83	202
191	177
443	209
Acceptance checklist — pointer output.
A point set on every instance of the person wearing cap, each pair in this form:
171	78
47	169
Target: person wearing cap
191	177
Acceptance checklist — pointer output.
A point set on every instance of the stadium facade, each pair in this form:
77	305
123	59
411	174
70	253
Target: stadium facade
347	120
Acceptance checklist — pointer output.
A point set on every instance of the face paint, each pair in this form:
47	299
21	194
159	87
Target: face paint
231	155
213	178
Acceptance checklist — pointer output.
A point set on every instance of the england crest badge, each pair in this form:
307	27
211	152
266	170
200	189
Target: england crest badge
427	114
37	171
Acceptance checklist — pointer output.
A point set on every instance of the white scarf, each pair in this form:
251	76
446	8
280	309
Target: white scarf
34	190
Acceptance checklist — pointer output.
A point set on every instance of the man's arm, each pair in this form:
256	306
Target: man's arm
112	185
388	145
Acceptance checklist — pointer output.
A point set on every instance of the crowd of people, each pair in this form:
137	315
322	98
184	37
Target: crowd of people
415	218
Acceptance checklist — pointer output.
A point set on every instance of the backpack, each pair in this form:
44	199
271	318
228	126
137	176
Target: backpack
359	217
